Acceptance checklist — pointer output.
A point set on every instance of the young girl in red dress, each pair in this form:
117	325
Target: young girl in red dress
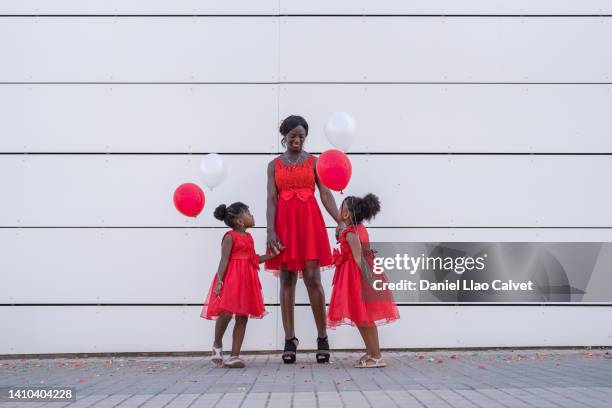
354	301
235	289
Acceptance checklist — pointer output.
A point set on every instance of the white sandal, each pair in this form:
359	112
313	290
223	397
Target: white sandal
376	362
216	358
234	362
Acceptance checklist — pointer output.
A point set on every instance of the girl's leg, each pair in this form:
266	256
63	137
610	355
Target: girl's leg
312	280
220	327
370	335
364	336
240	323
287	301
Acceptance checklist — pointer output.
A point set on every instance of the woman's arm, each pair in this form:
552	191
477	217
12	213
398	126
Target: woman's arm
272	241
327	198
226	250
329	202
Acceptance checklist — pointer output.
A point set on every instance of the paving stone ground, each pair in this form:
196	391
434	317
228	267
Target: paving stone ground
487	379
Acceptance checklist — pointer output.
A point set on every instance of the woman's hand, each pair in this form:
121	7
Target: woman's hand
272	242
218	287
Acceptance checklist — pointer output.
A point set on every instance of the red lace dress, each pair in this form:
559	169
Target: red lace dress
298	222
241	291
353	300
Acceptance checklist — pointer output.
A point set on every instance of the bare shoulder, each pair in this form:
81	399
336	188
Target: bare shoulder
271	165
350	235
227	239
314	160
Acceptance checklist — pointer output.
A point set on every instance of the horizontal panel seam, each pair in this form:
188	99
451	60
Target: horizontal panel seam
395	153
299	304
328	227
299	83
322	15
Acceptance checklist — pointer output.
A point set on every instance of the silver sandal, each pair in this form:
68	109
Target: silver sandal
371	362
234	362
216	358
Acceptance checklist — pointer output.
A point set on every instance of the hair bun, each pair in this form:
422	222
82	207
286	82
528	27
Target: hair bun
220	212
371	205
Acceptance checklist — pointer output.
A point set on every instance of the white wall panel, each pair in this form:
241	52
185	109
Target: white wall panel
473	326
390	118
122	190
98	329
415	190
300	7
126	265
139	118
459	117
185	330
114	7
150	49
107	265
522	7
470	49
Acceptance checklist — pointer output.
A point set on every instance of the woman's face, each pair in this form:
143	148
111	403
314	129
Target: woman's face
295	139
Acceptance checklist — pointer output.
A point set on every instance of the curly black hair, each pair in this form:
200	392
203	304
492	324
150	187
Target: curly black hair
364	208
229	214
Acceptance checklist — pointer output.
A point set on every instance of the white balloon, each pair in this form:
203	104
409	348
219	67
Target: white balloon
340	130
213	170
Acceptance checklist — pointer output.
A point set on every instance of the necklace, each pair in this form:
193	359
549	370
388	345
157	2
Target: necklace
293	161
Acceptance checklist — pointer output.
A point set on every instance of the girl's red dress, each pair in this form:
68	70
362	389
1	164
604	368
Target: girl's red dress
241	292
353	300
298	221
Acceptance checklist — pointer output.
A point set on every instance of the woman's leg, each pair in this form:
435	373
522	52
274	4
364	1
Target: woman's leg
238	335
287	301
312	280
220	327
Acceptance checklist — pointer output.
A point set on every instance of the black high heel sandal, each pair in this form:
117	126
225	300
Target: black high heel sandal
322	350
290	350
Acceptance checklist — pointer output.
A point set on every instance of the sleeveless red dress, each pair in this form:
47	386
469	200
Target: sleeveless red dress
298	222
241	291
347	304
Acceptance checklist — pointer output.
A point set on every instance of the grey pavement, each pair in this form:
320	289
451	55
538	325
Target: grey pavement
493	378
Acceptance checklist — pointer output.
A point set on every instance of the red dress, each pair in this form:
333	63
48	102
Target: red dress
241	291
298	222
347	304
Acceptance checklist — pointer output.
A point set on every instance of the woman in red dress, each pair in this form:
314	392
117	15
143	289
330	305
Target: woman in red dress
296	228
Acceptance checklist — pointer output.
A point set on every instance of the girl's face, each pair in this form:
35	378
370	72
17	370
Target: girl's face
295	139
345	215
245	219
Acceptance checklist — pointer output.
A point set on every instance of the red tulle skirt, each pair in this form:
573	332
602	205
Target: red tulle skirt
301	229
240	294
354	302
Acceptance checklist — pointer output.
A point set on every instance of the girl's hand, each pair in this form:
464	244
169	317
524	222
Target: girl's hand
339	229
272	242
218	287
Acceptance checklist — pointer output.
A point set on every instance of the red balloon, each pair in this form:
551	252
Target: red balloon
334	169
189	199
